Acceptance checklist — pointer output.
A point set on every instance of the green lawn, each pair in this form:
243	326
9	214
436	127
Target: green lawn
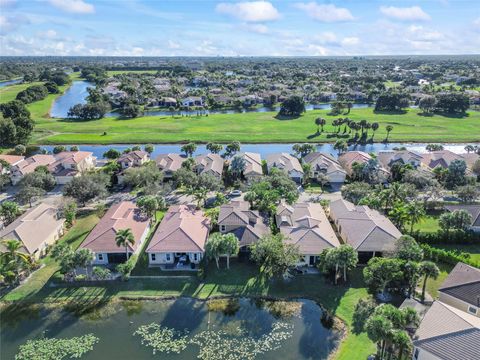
429	224
434	284
117	72
473	250
9	92
251	128
39	278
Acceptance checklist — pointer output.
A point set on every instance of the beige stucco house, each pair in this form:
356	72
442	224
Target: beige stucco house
326	165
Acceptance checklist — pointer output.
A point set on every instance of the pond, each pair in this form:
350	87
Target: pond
271	330
9	82
265	149
76	94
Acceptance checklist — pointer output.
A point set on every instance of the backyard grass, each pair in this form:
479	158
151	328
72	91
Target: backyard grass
39	278
252	128
429	224
434	284
472	249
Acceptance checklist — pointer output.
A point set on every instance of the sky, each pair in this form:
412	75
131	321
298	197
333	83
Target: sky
239	28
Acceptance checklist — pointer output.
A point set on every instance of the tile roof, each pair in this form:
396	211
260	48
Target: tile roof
323	161
441	158
210	162
463	283
170	162
183	229
253	163
33	227
365	229
284	161
388	157
29	165
132	156
347	159
60	166
12	159
307	226
123	215
449	333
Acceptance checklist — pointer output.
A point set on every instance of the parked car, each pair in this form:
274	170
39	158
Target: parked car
235	193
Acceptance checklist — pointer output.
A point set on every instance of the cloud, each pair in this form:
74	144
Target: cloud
252	11
421	34
328	13
173	45
9	24
476	23
405	14
349	41
73	6
326	37
256	28
49	34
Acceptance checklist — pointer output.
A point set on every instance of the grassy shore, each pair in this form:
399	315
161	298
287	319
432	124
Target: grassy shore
252	128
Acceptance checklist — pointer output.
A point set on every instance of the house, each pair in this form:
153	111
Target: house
11	160
101	240
167	102
37	229
349	158
69	164
209	164
131	159
287	163
306	226
192	101
366	230
441	158
403	157
326	165
447	333
29	165
169	163
180	237
473	210
253	166
461	289
247	225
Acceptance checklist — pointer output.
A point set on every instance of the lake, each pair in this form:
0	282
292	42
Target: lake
77	94
9	82
265	149
276	331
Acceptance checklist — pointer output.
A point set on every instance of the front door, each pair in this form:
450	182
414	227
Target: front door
311	262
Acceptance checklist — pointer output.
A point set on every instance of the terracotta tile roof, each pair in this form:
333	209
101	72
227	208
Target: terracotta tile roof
132	156
183	229
170	162
441	158
365	229
323	161
307	226
29	165
347	159
284	161
123	215
12	159
388	157
33	227
449	333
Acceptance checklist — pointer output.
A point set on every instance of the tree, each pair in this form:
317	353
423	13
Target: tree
375	127
467	193
406	248
39	179
214	148
124	237
380	272
149	205
189	149
149	148
213	247
9	211
237	166
229	245
427	104
112	154
20	149
58	149
389	128
101	273
341	146
86	187
232	148
68	210
415	212
344	257
302	150
13	261
452	103
378	330
320	122
14	109
15	131
143	177
83	258
293	106
356	191
391	101
429	270
90	111
455	220
434	147
131	110
274	255
456	175
29	194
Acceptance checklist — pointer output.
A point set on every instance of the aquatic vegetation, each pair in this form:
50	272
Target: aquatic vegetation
132	307
217	345
162	339
56	349
228	307
283	309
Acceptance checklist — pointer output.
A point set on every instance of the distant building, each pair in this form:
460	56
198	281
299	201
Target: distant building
29	165
69	164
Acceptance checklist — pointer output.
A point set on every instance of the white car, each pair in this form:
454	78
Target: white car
235	193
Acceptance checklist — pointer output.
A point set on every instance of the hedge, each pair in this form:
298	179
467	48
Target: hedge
451	257
451	237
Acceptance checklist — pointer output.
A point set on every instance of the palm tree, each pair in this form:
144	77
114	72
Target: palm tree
469	148
237	166
229	246
416	212
402	341
124	237
388	128
320	122
15	261
374	128
341	146
379	330
429	270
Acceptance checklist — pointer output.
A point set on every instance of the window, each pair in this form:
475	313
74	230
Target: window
153	257
417	352
472	310
100	257
195	257
167	256
223	228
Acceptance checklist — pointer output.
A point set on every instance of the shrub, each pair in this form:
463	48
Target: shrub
126	268
447	256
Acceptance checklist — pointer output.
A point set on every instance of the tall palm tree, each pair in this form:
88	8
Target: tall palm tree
14	260
416	212
124	237
469	148
374	128
388	128
429	270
